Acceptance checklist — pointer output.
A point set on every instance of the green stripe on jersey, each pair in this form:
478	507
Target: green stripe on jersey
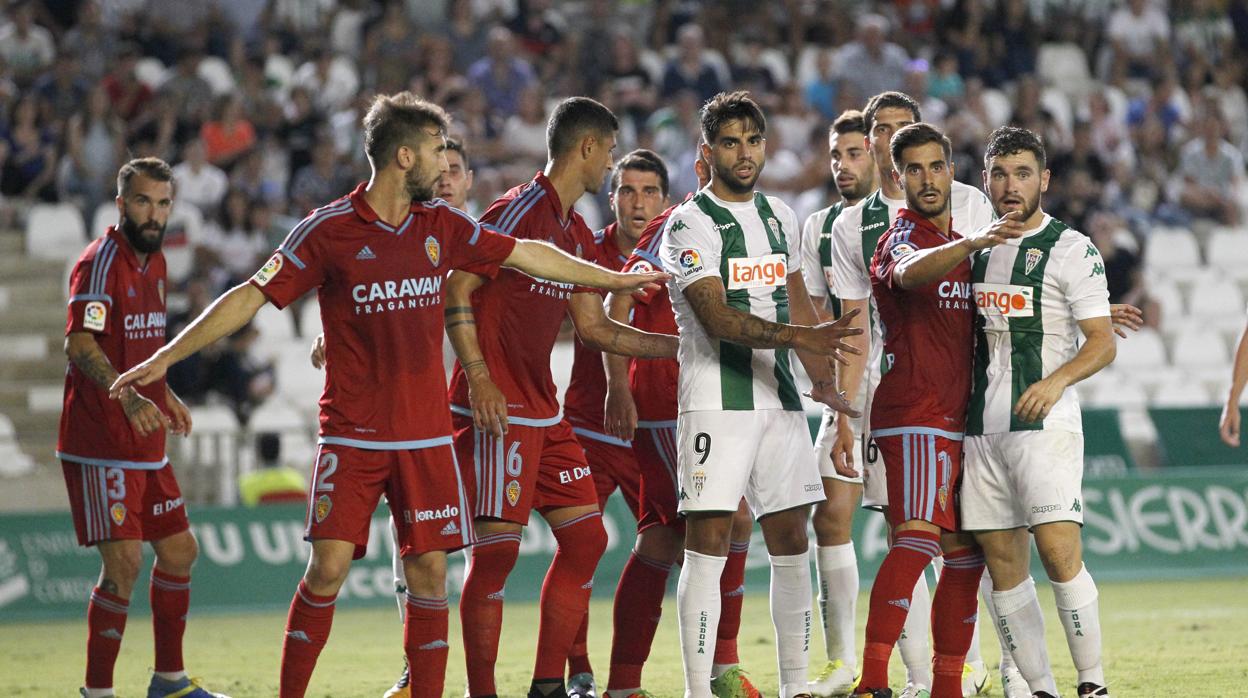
789	399
736	375
979	376
1027	333
825	251
875	223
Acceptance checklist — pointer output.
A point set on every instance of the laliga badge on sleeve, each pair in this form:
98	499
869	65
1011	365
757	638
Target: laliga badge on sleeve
95	316
269	270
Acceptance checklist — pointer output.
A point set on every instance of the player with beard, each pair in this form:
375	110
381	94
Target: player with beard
122	490
377	258
854	171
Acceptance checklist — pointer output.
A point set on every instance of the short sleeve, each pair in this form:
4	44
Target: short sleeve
691	248
980	213
294	268
476	248
90	293
1083	281
812	266
894	249
849	267
645	258
792	234
587	250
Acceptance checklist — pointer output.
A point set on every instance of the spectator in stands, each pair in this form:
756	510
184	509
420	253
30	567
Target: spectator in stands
199	182
27	154
635	92
1205	34
751	71
322	180
1123	272
185	88
1232	102
239	249
436	78
501	75
62	90
95	146
690	69
962	31
824	90
870	64
1213	173
467	35
944	82
1015	40
26	47
332	80
130	97
1108	132
1138	33
1161	104
917	85
96	45
228	134
300	124
238	377
390	53
524	133
1078	177
538	27
271	482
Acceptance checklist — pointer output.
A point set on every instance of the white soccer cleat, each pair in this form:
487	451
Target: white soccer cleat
915	690
1013	684
976	680
836	679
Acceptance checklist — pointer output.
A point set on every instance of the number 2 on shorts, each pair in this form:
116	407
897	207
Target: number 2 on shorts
324	469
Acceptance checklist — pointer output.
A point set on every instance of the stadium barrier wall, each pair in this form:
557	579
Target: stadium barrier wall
1190	522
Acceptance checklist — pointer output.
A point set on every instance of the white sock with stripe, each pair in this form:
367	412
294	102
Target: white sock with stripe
837	566
790	615
1022	622
915	645
697	615
1079	611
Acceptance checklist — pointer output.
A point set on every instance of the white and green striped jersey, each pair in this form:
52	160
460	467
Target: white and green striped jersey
753	247
817	256
1030	294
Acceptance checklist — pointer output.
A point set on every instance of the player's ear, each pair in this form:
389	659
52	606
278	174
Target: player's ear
896	178
1044	181
587	146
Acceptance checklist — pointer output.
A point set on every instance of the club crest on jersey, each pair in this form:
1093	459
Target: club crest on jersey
94	316
323	505
775	227
942	496
513	492
766	271
1033	258
269	270
118	512
690	261
433	250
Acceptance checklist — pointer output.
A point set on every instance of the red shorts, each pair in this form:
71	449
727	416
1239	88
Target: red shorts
655	451
531	467
123	503
923	471
612	464
428	503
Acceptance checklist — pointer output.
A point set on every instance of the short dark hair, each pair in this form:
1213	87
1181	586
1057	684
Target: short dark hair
644	161
1008	140
850	121
575	118
400	119
458	146
889	100
916	135
730	106
152	168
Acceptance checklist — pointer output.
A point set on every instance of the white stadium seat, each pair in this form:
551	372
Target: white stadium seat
1143	351
104	216
1064	66
1122	396
310	319
1214	301
216	72
1200	350
273	325
55	231
1186	392
151	72
1170	301
1172	253
1227	251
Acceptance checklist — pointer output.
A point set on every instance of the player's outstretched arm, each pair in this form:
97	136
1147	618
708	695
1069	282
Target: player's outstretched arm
710	303
85	353
600	332
821	370
620	410
930	265
544	260
849	381
1097	352
489	405
1229	424
225	316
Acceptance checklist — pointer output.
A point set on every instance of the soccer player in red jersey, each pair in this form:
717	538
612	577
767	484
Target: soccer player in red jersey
122	490
919	413
509	435
377	258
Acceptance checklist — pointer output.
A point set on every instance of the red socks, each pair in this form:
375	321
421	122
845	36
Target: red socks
638	607
565	593
954	609
307	629
911	553
578	656
170	598
732	596
481	607
106	623
424	641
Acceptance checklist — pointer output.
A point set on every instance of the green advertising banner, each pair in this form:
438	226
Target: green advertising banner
1185	523
1189	436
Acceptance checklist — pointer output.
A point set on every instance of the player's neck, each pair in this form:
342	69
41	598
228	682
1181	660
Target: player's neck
1034	220
624	241
725	194
141	256
567	183
889	188
388	197
940	222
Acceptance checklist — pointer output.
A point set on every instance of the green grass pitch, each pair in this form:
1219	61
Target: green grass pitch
1162	638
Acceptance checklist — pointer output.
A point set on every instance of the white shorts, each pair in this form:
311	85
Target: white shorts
1022	478
763	455
866	460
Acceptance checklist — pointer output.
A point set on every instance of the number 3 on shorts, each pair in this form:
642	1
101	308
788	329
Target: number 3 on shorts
324	469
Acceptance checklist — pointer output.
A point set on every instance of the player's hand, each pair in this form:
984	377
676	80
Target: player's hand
1035	402
1007	227
843	447
826	338
144	373
826	393
318	351
489	405
145	417
179	414
638	283
1228	427
1125	316
620	418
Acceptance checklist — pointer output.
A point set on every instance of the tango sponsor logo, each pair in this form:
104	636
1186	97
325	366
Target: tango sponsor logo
1004	300
767	271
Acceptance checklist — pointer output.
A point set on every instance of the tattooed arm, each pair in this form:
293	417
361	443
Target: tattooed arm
710	303
600	332
81	348
489	405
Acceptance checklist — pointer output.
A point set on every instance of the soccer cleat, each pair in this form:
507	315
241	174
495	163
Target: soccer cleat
836	679
635	694
875	693
1088	688
558	692
975	679
403	687
1042	694
185	687
1013	685
582	686
83	692
915	690
734	684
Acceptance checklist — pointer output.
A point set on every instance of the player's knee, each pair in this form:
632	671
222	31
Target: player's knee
121	567
426	574
1061	560
586	539
326	573
832	526
177	554
659	543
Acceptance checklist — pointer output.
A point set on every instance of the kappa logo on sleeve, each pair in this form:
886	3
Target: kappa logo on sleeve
95	316
690	261
269	270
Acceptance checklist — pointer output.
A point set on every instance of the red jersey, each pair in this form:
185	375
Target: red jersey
928	339
653	381
380	292
123	305
518	317
587	390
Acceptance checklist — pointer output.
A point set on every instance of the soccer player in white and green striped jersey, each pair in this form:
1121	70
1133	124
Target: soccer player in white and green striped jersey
1023	472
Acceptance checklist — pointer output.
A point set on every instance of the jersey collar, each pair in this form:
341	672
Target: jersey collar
552	197
127	250
921	221
368	215
609	245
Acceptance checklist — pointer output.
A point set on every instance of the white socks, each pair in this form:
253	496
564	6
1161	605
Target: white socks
1022	623
838	600
915	644
985	595
98	692
697	609
1079	611
790	614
